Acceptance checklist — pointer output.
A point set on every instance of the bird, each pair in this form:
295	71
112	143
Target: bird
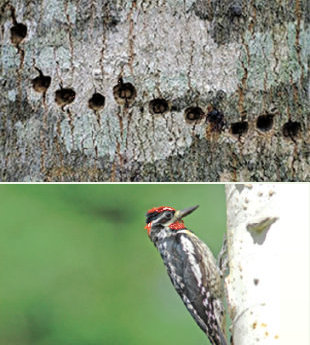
191	267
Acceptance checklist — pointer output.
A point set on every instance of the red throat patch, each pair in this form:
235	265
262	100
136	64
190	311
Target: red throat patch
178	225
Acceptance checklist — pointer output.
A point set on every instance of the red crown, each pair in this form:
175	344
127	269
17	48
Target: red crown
160	209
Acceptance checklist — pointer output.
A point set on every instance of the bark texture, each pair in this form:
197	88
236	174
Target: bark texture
244	63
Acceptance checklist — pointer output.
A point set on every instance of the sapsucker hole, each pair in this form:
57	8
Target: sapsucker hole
220	95
18	33
41	83
216	119
124	93
239	128
235	10
158	106
193	114
291	129
96	102
256	281
64	96
264	122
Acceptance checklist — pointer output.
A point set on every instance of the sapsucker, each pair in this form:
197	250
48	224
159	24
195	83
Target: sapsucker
191	267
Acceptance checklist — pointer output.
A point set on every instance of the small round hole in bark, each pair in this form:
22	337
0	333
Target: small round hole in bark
64	96
220	95
216	119
41	83
256	281
264	122
18	33
193	114
235	10
158	106
239	128
96	102
291	129
124	93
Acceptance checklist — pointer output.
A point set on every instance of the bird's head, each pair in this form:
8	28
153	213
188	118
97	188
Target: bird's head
166	216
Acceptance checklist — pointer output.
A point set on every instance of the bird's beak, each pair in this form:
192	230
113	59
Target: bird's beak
183	213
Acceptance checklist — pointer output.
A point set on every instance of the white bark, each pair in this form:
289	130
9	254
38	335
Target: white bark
268	248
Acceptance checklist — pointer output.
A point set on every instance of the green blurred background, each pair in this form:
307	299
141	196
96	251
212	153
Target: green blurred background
78	268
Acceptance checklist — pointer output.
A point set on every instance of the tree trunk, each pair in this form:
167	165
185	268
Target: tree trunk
268	247
241	66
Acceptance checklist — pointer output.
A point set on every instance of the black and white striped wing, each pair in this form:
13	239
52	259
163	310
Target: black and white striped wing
189	270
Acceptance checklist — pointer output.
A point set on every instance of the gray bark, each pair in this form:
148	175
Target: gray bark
247	60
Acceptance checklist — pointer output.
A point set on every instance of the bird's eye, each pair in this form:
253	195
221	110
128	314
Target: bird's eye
169	215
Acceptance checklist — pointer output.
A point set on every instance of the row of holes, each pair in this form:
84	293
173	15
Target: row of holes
264	123
125	93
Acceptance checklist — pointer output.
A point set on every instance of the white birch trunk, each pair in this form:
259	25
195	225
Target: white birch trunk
268	248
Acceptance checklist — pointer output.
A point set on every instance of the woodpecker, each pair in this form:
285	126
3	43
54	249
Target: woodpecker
191	267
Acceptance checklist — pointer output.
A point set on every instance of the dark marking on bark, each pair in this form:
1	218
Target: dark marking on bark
113	170
70	38
18	32
71	125
131	36
110	17
41	83
57	142
118	146
215	119
64	96
121	160
243	86
93	15
120	120
264	122
275	50
291	129
253	20
141	146
124	93
103	44
43	136
96	102
239	128
298	12
259	230
158	106
95	145
203	9
193	115
189	83
128	114
235	9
